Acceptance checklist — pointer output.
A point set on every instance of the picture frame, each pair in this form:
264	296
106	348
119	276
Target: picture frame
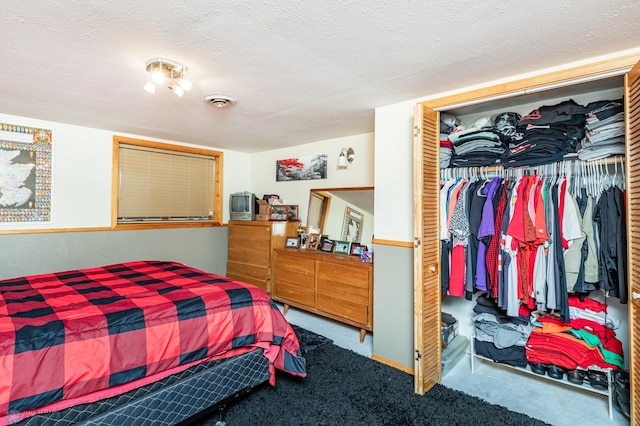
326	245
342	247
352	226
292	212
278	212
313	241
292	242
301	168
357	249
284	212
304	237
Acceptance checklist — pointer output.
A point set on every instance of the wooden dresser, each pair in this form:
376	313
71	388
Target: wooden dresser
336	286
251	246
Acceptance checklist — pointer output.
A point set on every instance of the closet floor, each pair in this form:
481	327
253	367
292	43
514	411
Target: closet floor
525	393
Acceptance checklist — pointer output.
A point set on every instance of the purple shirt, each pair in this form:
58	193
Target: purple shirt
487	225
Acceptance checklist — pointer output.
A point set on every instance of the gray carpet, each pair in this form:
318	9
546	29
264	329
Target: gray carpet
344	388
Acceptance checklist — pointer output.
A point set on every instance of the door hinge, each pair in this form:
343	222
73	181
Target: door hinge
418	355
416	242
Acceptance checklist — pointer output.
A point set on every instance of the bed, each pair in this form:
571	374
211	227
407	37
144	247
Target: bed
144	342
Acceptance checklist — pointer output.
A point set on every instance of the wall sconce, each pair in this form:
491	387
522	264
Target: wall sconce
162	69
346	157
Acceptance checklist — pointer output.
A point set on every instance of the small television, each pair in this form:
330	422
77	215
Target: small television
242	206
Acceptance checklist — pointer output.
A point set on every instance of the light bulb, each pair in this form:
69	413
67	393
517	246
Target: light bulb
179	91
150	87
185	83
157	76
342	160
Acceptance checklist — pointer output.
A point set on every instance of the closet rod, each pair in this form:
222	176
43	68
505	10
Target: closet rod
493	169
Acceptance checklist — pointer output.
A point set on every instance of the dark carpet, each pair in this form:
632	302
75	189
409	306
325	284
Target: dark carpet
309	340
344	388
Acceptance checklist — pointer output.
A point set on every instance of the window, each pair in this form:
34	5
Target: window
160	184
318	207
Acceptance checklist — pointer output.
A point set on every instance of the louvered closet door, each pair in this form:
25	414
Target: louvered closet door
632	108
427	248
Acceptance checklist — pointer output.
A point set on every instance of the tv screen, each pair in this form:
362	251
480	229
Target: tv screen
242	206
240	203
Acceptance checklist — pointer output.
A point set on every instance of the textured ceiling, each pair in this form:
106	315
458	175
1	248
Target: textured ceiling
302	71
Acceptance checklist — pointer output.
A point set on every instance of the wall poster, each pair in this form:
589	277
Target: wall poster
302	168
25	174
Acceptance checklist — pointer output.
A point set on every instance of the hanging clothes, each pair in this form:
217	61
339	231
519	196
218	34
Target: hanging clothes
485	232
493	249
459	229
540	236
609	214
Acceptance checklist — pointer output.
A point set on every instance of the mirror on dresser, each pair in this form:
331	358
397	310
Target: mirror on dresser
343	214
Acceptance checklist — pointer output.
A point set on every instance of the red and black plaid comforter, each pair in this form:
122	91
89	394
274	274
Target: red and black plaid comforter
72	333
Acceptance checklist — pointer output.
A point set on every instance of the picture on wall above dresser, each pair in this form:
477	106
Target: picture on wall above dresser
302	168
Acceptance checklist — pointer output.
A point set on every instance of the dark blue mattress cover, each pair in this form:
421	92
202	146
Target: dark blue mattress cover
170	400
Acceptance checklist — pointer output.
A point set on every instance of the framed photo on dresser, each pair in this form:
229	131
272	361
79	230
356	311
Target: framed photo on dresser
313	241
342	247
357	249
326	245
292	242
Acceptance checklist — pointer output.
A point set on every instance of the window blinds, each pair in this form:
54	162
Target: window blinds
316	208
158	184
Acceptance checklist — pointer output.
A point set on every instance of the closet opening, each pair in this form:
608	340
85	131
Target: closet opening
583	180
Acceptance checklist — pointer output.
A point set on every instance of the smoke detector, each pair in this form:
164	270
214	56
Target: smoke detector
220	101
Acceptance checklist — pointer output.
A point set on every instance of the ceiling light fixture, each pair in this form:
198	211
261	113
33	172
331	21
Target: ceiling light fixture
162	69
220	101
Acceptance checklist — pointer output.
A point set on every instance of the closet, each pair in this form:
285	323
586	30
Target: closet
512	329
621	74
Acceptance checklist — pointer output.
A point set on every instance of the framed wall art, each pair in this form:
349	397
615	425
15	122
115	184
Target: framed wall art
302	168
352	226
25	167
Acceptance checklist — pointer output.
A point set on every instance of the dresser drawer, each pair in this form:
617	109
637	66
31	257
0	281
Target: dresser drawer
294	280
343	291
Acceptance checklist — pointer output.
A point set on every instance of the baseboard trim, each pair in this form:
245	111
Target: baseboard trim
393	364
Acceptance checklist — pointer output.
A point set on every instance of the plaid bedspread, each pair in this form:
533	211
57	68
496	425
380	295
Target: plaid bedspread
68	334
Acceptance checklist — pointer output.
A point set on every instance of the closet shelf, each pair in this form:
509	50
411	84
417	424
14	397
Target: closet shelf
527	370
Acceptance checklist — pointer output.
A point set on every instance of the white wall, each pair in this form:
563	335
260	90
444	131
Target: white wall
81	174
359	173
393	205
393	202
